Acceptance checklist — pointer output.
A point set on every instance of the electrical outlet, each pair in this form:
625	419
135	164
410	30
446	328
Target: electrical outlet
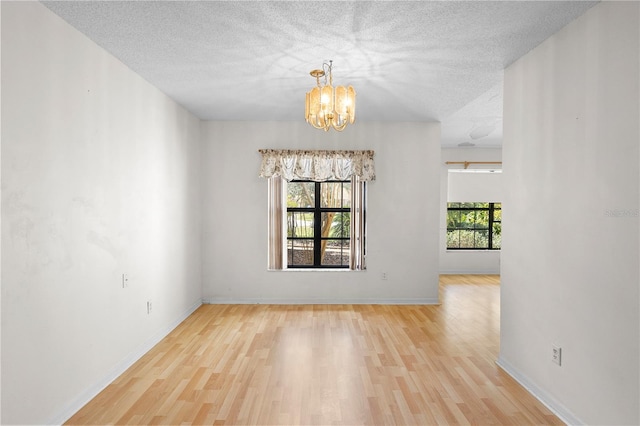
556	354
125	280
149	306
383	276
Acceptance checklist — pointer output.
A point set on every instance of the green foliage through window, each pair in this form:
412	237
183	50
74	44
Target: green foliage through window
474	226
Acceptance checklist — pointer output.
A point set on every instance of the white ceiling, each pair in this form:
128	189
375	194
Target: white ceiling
250	60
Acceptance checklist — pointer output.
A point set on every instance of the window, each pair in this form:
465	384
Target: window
316	208
318	224
474	226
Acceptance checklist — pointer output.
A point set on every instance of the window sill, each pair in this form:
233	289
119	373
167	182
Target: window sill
316	270
473	251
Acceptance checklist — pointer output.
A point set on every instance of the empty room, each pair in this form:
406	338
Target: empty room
295	213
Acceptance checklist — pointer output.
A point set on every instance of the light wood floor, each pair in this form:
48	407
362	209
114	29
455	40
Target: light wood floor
328	365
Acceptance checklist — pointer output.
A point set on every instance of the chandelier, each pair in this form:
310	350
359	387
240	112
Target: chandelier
327	106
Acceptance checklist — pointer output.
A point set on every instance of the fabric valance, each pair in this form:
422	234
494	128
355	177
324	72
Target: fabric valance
317	166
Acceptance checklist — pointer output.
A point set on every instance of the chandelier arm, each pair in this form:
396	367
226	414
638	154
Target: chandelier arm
339	128
320	124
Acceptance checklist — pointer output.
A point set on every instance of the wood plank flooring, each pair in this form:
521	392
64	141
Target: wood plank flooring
328	365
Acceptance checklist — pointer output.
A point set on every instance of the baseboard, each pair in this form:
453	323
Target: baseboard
544	397
457	272
252	301
120	368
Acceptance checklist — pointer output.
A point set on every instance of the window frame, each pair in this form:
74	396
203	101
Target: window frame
277	231
317	211
490	209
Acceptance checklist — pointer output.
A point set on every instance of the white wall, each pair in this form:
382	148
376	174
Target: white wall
465	261
402	217
99	177
570	242
474	186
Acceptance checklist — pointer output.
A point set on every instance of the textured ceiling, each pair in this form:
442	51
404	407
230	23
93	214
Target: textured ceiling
250	60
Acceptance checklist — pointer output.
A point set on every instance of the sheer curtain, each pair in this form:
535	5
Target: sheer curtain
276	217
286	165
358	234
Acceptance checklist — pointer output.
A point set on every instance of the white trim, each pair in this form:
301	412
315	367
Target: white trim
91	392
541	395
251	301
470	272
